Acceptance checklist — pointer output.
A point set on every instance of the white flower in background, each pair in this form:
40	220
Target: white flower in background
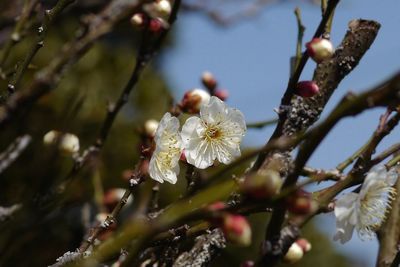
217	134
150	127
164	162
365	211
67	142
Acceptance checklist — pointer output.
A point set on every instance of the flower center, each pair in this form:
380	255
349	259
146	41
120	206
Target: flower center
213	132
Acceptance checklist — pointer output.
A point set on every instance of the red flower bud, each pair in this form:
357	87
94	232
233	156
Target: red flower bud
304	244
222	94
155	25
320	49
262	185
193	100
209	81
247	264
307	88
301	203
219	205
236	229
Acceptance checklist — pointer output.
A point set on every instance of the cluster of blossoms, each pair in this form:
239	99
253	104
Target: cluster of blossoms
215	135
155	16
365	211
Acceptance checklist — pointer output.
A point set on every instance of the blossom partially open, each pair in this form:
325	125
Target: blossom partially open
164	161
365	211
217	134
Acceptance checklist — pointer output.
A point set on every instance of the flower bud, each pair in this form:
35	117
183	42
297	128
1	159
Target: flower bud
216	206
150	127
307	88
183	156
262	185
155	25
138	20
294	254
247	264
304	244
193	100
112	197
163	8
236	229
68	143
320	49
301	203
222	94
209	81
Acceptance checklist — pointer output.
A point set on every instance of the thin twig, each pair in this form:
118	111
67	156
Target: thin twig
385	154
49	17
261	124
17	33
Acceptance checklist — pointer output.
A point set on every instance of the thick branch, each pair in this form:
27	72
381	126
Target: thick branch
203	251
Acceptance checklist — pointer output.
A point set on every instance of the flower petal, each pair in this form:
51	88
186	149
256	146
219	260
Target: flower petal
214	112
345	205
344	231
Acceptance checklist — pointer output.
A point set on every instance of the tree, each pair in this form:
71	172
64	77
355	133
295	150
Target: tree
82	179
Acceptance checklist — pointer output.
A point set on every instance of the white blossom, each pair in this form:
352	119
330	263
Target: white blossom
365	211
164	162
67	142
217	134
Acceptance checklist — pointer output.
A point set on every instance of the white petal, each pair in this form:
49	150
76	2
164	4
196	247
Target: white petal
164	171
237	117
215	111
201	154
226	153
345	205
190	130
392	176
344	231
167	128
154	171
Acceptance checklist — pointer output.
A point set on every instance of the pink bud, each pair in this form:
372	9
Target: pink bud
222	94
301	203
304	244
236	229
320	49
155	25
193	100
247	264
183	156
294	254
216	206
307	88
209	81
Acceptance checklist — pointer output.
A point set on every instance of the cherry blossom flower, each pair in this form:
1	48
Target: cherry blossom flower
365	211
217	134
164	161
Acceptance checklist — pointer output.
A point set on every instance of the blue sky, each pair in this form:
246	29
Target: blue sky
251	60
